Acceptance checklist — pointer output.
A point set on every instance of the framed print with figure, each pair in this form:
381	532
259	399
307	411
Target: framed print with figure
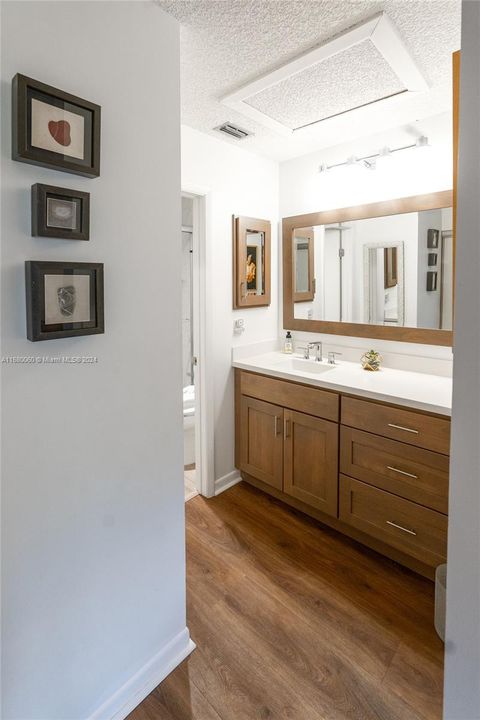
63	299
54	129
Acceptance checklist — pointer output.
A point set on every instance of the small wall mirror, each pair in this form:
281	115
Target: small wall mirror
383	270
251	262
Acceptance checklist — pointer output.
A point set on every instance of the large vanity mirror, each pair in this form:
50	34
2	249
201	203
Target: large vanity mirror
383	270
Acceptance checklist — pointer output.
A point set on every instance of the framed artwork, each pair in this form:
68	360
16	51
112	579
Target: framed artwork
251	270
433	237
251	262
54	129
59	212
63	299
432	259
432	279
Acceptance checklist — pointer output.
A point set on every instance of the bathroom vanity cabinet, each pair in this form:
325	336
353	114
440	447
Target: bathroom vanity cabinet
374	471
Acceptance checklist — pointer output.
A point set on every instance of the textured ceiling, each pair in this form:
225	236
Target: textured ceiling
227	43
354	77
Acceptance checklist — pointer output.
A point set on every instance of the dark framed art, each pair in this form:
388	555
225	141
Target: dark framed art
54	129
432	259
433	237
432	279
64	299
59	212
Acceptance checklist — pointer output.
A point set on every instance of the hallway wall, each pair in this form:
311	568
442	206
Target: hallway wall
93	584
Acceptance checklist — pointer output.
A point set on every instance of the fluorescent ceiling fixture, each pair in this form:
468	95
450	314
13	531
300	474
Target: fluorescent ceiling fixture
385	38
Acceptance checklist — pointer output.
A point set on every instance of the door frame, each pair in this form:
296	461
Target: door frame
202	340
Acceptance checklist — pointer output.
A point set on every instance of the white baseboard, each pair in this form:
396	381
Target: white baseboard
136	689
227	481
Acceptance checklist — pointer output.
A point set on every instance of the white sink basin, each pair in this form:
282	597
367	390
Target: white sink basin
301	365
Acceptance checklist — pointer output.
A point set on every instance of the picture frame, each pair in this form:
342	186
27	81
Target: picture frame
59	212
432	280
432	259
54	129
63	299
251	262
433	238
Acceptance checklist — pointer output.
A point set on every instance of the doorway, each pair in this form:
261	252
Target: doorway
196	359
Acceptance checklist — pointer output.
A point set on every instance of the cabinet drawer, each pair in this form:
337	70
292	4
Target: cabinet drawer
305	399
410	472
407	426
404	525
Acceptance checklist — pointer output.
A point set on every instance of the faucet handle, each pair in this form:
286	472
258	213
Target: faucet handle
332	356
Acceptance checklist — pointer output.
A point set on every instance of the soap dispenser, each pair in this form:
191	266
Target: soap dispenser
288	345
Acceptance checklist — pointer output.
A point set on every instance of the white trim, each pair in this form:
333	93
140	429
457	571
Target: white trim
136	689
227	481
203	340
379	30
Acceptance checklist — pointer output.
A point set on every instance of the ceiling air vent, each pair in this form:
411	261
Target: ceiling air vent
233	131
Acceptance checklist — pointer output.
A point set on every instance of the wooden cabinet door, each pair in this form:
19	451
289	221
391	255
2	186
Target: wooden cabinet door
311	461
261	440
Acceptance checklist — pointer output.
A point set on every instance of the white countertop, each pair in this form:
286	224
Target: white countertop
432	393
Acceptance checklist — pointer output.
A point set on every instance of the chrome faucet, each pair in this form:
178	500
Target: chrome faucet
318	351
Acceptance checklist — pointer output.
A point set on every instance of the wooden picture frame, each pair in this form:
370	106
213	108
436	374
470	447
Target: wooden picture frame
251	262
306	235
54	129
417	203
63	299
59	212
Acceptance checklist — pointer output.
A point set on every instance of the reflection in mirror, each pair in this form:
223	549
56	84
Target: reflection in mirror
394	270
303	263
255	268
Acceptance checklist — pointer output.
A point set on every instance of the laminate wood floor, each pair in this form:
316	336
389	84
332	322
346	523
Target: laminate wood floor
295	622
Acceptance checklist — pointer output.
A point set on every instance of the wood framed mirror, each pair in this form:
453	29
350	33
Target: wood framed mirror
371	270
251	262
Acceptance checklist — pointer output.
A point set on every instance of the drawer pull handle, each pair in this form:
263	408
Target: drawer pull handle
400	427
402	472
277	430
287	428
399	527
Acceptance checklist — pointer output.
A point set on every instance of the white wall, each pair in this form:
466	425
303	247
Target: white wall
462	676
238	183
303	190
92	482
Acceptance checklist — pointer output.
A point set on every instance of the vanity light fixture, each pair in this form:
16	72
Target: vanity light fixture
369	162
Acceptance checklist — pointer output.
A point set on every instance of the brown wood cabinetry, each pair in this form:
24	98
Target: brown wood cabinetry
311	461
262	440
411	528
293	440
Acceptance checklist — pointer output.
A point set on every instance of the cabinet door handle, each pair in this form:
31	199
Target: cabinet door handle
399	527
405	429
277	429
287	428
402	472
